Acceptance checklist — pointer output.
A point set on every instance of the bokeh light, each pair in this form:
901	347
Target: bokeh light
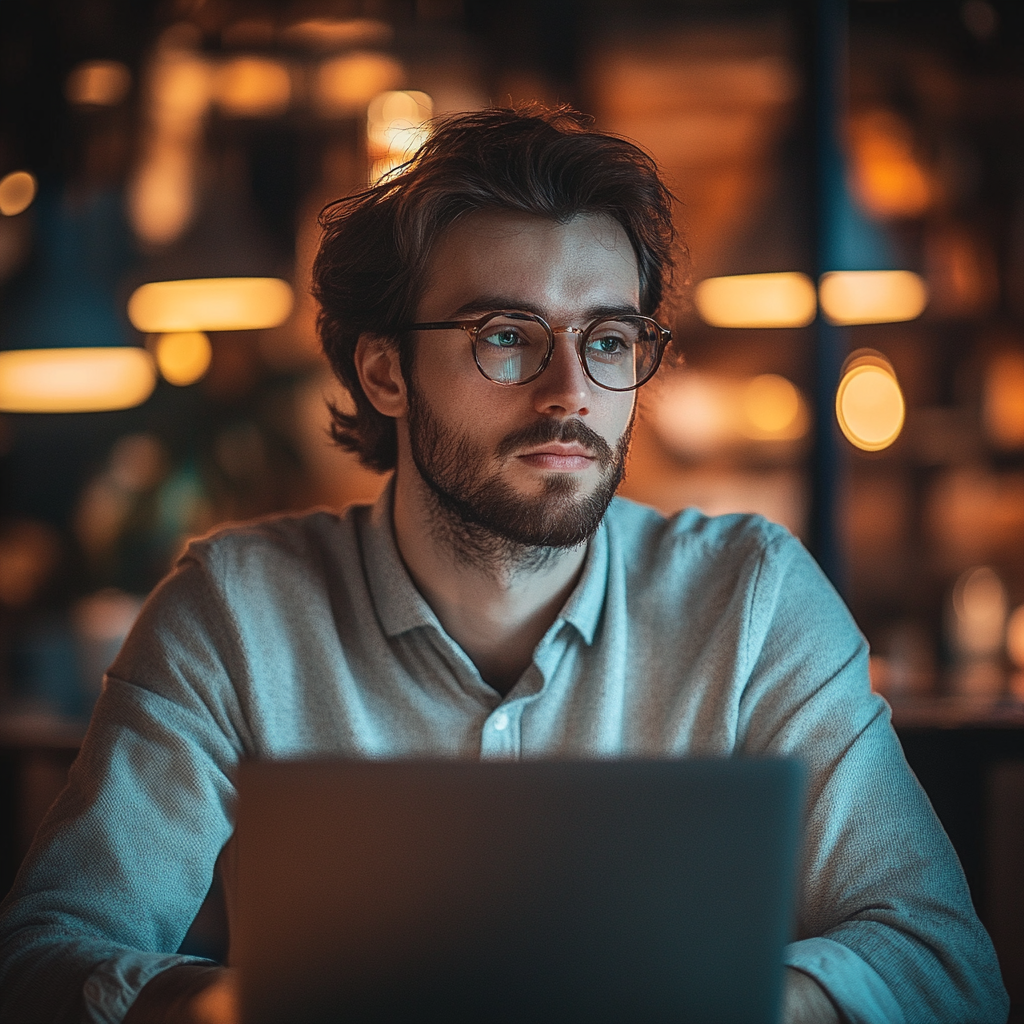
887	178
756	300
869	403
161	199
252	87
1015	636
979	609
396	128
773	408
98	83
1003	405
346	84
210	304
183	357
872	296
17	190
336	33
75	379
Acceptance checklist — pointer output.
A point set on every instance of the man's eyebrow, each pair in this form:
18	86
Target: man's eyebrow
491	303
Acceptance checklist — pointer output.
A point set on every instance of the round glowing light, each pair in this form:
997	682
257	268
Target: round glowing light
869	403
772	407
872	296
252	87
210	304
1015	636
17	190
75	379
183	357
979	604
757	300
98	83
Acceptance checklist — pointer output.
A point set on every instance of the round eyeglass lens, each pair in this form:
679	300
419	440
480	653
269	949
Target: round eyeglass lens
510	347
621	352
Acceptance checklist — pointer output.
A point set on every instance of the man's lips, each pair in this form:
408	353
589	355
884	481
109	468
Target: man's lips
562	457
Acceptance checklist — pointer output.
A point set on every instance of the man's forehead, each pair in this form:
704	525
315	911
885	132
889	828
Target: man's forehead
504	252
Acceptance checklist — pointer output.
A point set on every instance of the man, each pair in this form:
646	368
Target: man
489	310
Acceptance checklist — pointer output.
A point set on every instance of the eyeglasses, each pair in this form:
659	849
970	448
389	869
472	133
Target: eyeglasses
618	353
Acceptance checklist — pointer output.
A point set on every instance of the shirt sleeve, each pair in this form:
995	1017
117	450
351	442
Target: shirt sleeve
126	855
885	922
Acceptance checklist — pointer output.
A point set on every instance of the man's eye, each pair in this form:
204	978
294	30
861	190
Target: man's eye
607	345
507	337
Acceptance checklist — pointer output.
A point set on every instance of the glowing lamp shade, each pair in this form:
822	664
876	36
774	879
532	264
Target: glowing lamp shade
17	190
757	300
210	304
872	296
75	379
869	402
183	357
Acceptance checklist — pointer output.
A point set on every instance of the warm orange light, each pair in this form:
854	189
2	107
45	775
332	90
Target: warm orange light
98	83
773	409
872	296
756	300
396	128
1015	636
183	357
161	199
333	33
75	379
980	607
347	84
869	403
210	304
252	87
1003	410
17	190
886	176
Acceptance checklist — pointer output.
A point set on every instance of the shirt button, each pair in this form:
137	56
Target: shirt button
501	721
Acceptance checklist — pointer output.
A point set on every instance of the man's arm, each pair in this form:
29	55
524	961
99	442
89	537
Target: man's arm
803	1001
885	923
123	860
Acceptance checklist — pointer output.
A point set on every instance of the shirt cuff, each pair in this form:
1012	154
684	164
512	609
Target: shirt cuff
852	984
115	983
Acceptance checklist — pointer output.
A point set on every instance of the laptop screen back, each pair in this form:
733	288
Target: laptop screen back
532	891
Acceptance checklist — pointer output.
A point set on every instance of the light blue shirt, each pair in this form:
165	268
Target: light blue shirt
305	635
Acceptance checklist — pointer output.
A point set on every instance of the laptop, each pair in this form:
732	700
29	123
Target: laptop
649	890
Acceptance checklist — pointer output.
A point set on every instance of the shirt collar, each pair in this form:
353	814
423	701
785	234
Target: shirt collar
401	607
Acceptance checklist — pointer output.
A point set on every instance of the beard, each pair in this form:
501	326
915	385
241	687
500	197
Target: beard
486	522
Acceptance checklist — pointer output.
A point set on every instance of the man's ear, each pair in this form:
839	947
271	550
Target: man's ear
380	374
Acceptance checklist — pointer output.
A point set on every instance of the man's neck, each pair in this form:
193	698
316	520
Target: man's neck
494	601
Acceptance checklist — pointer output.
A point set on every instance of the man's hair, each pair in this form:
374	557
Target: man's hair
369	272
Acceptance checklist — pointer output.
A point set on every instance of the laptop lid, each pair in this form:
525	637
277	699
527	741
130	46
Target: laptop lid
515	891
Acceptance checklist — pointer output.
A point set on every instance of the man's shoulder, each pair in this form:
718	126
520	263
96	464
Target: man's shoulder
283	537
640	530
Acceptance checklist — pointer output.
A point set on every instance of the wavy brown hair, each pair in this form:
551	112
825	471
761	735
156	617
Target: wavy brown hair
369	271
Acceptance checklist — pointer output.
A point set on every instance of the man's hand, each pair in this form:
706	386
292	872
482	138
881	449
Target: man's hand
804	1001
187	994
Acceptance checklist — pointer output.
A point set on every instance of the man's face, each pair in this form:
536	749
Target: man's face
533	464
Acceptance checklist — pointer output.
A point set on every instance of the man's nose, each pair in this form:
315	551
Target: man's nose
563	388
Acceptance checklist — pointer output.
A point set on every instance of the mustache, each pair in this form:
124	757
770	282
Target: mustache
566	431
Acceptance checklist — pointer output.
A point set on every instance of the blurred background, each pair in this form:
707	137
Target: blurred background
851	186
